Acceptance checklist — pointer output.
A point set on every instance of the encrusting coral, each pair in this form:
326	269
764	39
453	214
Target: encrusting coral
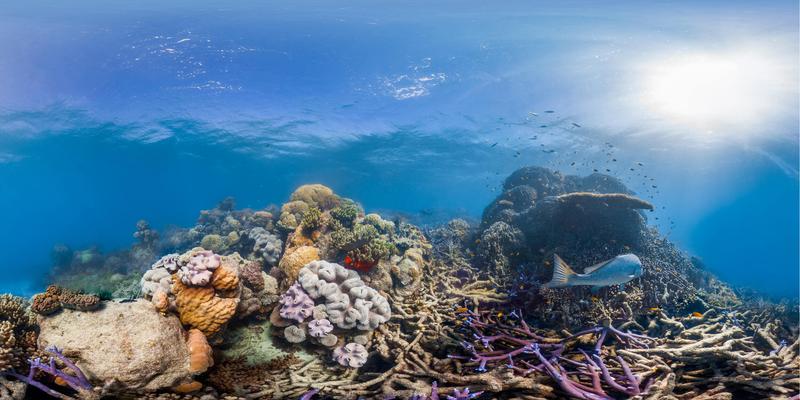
55	298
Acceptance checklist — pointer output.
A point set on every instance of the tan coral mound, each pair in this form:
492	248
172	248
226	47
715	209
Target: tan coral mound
297	258
316	195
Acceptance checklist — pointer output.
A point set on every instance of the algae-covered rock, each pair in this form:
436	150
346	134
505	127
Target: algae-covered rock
129	343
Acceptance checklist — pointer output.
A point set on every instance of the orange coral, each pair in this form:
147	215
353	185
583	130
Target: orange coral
188	387
200	354
161	301
201	308
225	277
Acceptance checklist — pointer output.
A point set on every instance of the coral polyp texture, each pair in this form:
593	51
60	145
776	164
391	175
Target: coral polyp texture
320	299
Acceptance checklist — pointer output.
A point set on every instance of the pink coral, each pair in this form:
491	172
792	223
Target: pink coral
319	327
351	355
198	271
296	304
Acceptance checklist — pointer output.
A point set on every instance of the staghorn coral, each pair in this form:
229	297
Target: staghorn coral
55	298
352	355
349	303
71	376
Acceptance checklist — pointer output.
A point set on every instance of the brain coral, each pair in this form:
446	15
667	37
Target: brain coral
293	261
200	355
316	195
348	302
208	308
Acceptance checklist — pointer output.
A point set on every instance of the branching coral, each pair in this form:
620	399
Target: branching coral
17	332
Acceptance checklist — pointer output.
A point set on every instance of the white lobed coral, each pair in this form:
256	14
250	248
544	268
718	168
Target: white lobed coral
349	302
294	334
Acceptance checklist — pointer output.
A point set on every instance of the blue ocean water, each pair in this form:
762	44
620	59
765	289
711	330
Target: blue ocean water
114	112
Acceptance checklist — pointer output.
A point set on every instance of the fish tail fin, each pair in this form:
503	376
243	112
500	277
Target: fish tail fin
562	273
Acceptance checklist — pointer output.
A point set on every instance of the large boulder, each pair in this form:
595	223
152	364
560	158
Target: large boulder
123	345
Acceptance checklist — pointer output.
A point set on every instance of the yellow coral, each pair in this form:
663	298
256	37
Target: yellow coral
295	259
316	195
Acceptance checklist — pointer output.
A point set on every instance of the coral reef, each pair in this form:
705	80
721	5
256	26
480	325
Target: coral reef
71	376
357	306
586	220
206	290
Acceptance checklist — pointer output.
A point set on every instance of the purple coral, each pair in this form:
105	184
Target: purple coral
510	341
75	380
319	327
351	355
198	271
296	304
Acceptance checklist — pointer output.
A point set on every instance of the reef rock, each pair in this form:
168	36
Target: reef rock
125	345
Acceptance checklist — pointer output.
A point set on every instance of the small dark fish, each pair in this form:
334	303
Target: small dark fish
542	126
572	164
576	125
548	151
493	144
549	111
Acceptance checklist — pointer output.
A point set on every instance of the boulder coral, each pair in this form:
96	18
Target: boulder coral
200	353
